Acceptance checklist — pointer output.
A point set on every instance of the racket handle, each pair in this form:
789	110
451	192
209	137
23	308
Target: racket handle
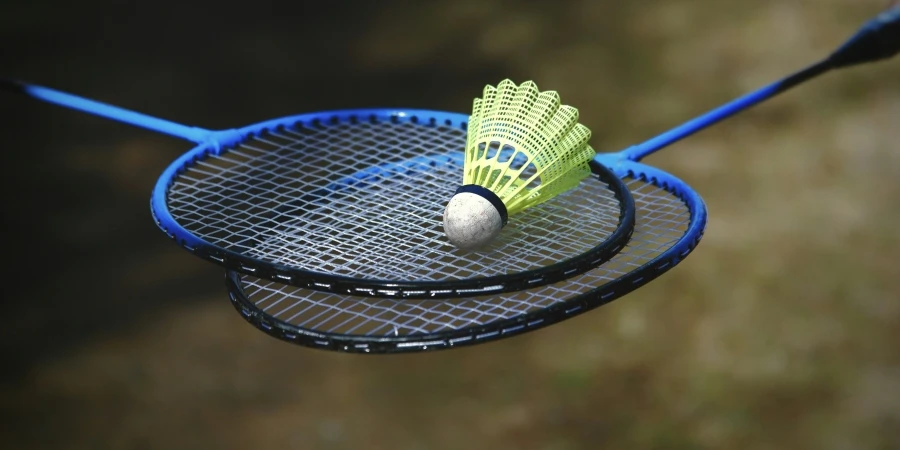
877	40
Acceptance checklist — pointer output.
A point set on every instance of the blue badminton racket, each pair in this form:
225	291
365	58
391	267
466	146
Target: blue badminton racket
670	220
341	202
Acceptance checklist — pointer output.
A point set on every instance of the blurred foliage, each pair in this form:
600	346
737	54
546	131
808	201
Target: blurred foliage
780	331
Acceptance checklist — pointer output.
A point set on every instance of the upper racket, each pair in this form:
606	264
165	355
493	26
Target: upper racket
347	202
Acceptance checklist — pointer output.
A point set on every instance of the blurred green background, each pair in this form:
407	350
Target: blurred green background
780	331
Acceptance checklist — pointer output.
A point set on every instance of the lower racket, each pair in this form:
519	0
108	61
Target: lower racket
670	220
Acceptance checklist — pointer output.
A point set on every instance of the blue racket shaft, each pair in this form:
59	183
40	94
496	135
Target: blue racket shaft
878	39
193	134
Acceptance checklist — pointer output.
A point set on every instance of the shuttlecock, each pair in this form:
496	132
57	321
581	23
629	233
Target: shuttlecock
523	148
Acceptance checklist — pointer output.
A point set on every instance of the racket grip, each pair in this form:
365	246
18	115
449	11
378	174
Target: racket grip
876	40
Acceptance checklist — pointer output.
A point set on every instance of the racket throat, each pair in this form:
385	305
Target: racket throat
219	141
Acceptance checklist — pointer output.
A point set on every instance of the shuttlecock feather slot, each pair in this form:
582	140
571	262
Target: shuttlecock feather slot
523	148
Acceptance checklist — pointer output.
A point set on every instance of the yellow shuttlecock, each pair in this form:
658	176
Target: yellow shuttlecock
523	148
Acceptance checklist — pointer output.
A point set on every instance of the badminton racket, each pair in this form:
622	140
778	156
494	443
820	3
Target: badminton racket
341	201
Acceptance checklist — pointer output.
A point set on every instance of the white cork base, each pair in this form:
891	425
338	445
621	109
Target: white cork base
471	221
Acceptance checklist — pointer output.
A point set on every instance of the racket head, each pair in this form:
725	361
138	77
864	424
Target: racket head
670	220
350	202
